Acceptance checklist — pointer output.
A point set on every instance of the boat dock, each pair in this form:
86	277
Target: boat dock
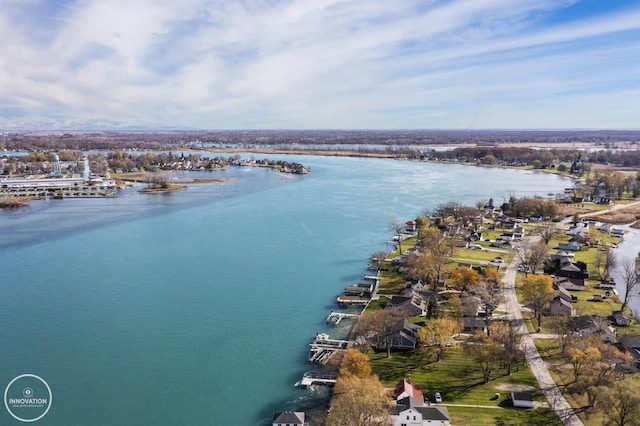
352	300
335	317
310	378
323	347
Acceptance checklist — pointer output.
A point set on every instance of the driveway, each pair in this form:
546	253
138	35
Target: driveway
539	368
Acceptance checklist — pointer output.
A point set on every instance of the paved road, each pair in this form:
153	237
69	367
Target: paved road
538	366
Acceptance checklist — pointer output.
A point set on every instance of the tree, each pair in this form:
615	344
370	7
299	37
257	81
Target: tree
397	227
355	363
604	262
537	291
628	276
436	335
358	402
547	232
428	266
465	278
620	403
376	323
530	255
486	352
508	341
562	326
595	364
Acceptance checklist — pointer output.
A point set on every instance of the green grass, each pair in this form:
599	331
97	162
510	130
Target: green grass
586	305
477	256
391	281
456	376
507	417
377	304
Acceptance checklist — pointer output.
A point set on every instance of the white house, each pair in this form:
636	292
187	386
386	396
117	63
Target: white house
410	412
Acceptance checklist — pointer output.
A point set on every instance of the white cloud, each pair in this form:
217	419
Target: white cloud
337	63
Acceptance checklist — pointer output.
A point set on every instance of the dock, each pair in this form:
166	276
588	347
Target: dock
323	347
310	378
335	317
352	300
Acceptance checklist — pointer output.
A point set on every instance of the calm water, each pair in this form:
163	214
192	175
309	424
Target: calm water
197	307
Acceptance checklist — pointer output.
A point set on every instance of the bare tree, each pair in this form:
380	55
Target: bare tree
547	232
397	227
530	255
562	326
629	278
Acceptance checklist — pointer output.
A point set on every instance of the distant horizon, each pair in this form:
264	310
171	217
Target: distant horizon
374	130
92	65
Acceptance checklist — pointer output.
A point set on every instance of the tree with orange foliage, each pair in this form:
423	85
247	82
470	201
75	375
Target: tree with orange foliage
537	291
465	278
355	363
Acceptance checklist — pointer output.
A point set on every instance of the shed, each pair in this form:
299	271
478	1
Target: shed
522	399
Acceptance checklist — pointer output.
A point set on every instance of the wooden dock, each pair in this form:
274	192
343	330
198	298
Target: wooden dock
310	378
335	317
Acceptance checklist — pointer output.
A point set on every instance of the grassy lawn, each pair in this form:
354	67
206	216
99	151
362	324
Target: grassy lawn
374	305
391	281
586	305
459	380
509	417
477	256
456	377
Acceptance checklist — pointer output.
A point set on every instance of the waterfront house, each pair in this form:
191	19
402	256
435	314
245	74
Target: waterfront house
288	418
408	411
413	305
596	325
621	318
618	233
402	333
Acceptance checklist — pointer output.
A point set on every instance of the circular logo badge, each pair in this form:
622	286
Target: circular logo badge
27	398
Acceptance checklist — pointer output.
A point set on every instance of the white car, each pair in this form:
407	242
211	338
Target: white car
437	398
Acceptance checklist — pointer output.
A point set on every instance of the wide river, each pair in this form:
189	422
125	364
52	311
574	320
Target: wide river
197	307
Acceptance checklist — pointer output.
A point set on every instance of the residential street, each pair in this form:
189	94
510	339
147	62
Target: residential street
538	366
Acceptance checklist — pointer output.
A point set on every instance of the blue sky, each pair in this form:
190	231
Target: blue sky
305	64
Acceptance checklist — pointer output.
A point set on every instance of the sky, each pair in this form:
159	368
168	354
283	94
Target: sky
319	64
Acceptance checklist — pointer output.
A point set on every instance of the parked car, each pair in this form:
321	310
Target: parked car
437	398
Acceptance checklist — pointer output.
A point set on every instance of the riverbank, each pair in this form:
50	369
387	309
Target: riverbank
14	203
